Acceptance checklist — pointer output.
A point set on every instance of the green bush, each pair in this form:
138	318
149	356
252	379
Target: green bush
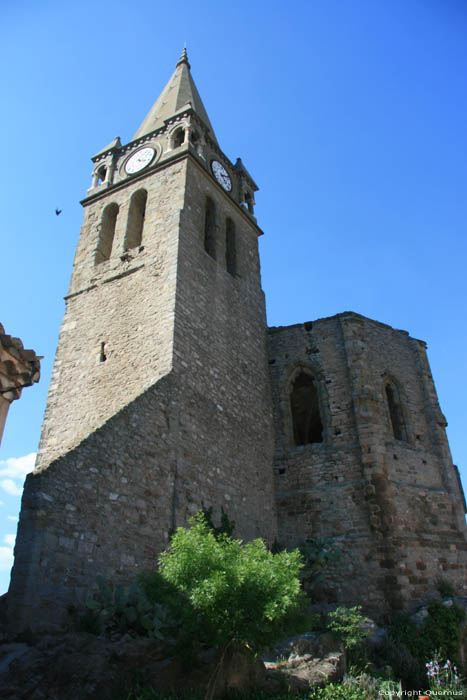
317	555
343	691
226	526
348	624
115	609
236	592
405	666
440	631
306	623
445	588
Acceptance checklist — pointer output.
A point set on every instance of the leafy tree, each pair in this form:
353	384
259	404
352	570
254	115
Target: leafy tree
237	593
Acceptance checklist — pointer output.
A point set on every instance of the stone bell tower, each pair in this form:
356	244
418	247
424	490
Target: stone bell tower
159	400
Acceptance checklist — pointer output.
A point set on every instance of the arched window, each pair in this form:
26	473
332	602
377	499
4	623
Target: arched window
210	228
178	138
304	404
393	397
101	175
230	247
106	233
135	223
249	202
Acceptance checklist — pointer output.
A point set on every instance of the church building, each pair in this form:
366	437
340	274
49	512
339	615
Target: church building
169	393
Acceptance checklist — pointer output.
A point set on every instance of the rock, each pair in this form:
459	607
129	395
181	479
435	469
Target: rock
304	672
75	666
309	643
239	670
85	667
10	652
306	661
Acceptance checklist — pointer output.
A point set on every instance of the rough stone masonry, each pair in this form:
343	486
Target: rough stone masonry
169	393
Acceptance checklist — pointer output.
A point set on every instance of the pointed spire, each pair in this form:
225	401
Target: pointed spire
184	58
179	92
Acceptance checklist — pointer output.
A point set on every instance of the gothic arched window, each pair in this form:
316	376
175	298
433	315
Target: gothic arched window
393	398
304	404
106	233
210	228
230	247
135	223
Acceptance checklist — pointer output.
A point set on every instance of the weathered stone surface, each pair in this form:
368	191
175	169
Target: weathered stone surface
305	661
393	506
178	414
160	402
238	670
18	368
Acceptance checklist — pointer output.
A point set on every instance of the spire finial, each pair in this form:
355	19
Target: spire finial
183	58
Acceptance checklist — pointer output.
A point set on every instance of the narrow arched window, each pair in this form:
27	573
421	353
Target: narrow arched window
210	228
135	223
230	247
304	404
106	233
396	413
249	202
178	138
101	175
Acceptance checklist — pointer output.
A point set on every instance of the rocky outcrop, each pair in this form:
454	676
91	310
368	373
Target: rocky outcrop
85	667
306	661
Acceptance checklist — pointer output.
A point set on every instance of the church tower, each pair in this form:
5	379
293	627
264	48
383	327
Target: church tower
167	396
159	401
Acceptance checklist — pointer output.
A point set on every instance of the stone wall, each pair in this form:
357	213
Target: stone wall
394	506
220	356
105	507
122	463
127	304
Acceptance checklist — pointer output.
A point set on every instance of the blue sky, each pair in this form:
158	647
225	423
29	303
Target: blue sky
350	115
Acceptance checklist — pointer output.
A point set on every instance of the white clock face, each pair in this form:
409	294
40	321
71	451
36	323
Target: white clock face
139	160
221	175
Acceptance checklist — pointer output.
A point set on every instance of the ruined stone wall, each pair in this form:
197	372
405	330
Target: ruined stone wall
126	304
393	505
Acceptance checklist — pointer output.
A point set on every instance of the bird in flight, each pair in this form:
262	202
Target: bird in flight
58	211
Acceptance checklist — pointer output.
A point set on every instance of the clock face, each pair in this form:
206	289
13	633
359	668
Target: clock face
221	175
139	160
